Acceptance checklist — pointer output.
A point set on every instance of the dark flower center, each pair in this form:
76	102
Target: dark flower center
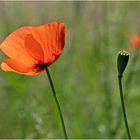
40	66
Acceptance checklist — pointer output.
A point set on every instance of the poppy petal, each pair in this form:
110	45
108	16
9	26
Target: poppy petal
55	40
135	41
15	66
13	46
30	44
33	48
51	37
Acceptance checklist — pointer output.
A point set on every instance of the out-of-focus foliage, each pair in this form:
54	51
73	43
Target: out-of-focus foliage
85	75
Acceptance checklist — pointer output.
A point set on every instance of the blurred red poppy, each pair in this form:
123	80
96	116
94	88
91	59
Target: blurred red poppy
32	48
135	40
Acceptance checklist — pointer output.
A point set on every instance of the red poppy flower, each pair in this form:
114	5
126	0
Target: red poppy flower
31	49
135	41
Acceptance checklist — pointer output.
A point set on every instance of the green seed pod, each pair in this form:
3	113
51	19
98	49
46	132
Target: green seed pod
122	61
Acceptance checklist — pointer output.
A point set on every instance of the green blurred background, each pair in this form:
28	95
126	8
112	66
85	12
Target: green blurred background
85	76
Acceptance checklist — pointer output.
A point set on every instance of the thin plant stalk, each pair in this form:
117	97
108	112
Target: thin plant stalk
57	102
123	106
128	85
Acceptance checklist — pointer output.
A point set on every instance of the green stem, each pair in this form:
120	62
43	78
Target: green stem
123	106
128	83
57	103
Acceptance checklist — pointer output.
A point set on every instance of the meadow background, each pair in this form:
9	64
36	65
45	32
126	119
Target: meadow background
85	75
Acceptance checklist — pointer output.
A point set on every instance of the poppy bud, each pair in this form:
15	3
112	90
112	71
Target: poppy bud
122	61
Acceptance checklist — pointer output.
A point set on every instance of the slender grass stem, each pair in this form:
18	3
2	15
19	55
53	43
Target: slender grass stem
57	102
123	106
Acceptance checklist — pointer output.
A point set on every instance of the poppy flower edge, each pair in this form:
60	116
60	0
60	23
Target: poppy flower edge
30	49
135	41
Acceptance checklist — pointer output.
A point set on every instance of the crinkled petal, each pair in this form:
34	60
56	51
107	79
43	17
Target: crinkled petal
55	40
13	46
15	66
30	45
33	48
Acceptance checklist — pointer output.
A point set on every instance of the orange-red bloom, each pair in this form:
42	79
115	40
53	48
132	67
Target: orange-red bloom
135	41
31	49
